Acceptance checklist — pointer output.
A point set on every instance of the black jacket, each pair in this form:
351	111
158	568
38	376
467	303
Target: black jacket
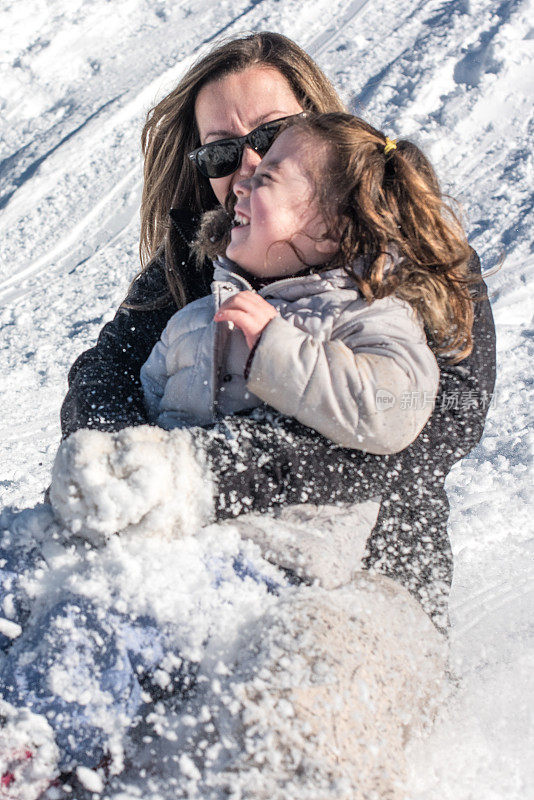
287	463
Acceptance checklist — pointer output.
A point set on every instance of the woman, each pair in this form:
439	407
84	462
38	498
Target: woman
230	93
290	731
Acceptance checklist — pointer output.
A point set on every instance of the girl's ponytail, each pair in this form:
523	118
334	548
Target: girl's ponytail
433	273
398	225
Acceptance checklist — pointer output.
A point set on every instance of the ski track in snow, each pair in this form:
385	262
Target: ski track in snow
458	77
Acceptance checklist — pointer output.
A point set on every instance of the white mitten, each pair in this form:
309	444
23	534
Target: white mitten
28	753
142	479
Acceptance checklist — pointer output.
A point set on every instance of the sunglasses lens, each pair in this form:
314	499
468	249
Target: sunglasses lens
262	138
218	160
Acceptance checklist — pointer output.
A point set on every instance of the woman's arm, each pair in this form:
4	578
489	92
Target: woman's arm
272	460
104	387
266	460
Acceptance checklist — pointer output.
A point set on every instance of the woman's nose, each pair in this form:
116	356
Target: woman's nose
249	162
241	188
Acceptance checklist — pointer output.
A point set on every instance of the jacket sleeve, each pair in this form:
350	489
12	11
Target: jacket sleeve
354	387
266	461
104	386
154	377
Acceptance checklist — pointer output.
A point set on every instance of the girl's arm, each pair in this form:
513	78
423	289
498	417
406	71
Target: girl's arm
370	387
154	376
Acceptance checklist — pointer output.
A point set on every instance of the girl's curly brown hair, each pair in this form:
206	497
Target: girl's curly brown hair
386	208
392	210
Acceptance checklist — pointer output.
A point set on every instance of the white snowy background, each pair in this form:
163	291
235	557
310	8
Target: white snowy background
76	80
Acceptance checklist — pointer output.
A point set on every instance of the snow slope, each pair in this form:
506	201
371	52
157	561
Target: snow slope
458	76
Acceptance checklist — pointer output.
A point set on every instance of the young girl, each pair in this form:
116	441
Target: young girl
340	251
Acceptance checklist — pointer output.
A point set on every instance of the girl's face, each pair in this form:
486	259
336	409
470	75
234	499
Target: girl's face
276	206
236	104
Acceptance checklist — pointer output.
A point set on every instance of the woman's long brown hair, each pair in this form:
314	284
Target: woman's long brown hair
170	133
393	211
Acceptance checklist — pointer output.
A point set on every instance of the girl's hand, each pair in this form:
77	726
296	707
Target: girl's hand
249	311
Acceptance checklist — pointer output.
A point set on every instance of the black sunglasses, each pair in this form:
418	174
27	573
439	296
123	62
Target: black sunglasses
221	158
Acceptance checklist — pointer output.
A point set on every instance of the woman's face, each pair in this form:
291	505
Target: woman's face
235	105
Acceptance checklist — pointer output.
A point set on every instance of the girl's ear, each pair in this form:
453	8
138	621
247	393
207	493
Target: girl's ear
327	247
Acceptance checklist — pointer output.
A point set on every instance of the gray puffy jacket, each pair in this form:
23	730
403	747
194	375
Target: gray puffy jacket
361	374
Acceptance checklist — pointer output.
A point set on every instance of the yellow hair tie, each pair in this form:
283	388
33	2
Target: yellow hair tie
391	144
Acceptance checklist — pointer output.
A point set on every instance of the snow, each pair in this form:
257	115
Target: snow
90	779
9	628
104	484
458	78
